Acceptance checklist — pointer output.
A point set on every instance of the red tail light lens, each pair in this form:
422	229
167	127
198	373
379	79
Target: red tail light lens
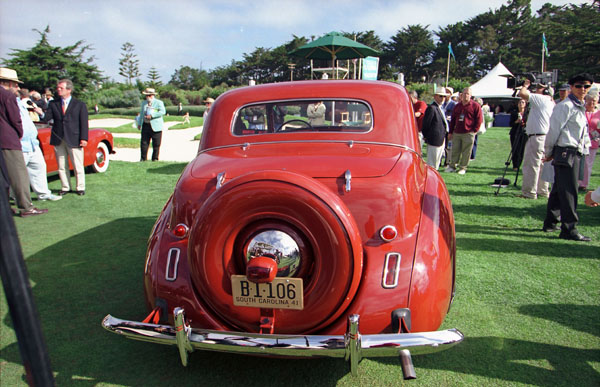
261	269
388	233
181	230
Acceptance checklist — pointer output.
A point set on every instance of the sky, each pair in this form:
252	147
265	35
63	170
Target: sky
205	34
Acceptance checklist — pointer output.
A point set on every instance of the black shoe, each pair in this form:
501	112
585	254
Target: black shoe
551	228
80	193
62	193
574	236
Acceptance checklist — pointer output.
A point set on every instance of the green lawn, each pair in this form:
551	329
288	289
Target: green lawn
527	302
130	128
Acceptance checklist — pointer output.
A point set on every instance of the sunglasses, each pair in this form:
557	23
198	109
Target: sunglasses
580	86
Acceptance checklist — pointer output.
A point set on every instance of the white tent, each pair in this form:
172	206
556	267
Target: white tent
493	84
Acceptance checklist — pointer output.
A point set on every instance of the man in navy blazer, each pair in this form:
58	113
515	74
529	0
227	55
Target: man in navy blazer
434	128
69	135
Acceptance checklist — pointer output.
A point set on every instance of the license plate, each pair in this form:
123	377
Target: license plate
282	293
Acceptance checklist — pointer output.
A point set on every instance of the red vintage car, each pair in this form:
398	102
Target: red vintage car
96	154
308	210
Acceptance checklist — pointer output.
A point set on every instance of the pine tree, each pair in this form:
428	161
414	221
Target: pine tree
154	78
129	64
43	64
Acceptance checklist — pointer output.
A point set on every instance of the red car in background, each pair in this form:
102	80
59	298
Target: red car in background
96	154
308	225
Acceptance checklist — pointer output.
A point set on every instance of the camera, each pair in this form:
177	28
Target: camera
546	78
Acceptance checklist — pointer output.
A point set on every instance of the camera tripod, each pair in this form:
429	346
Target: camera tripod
516	145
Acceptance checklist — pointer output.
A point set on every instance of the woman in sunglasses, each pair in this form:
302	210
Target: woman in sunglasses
566	142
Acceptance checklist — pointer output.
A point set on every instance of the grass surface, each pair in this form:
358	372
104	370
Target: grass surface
130	128
125	142
527	302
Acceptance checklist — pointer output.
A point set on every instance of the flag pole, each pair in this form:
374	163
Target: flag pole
543	54
448	68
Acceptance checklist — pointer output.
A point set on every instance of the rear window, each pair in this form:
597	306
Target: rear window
303	116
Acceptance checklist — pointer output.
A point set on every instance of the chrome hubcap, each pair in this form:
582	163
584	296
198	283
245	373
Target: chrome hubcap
279	246
99	157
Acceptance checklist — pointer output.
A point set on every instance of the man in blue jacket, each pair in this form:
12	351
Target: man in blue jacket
150	122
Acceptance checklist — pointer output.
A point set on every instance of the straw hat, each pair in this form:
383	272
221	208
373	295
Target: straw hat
9	74
149	91
443	92
209	100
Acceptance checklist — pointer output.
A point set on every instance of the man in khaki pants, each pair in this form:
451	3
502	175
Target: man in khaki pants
466	121
538	123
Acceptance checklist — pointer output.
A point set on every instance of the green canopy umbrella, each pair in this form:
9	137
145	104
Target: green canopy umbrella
334	46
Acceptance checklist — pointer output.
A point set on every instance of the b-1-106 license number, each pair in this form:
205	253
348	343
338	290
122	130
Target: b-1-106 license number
282	293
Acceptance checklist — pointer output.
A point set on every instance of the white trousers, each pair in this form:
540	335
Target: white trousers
63	153
434	155
36	168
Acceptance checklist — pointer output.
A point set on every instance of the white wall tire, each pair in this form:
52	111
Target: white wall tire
101	158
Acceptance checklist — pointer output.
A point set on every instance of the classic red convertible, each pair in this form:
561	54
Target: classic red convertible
308	210
96	154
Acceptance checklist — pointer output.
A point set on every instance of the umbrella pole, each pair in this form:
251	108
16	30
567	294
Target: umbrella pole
360	68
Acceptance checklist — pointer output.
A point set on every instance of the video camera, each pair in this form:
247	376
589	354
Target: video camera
547	78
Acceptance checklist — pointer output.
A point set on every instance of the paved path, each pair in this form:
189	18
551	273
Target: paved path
176	145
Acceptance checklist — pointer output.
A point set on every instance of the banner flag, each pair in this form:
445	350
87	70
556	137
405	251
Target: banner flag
450	50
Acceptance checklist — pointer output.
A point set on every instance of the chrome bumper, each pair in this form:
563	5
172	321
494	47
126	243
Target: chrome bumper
351	346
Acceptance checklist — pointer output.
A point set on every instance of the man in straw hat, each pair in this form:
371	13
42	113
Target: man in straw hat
208	103
434	128
11	131
150	122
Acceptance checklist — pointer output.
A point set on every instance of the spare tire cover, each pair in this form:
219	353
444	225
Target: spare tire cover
295	202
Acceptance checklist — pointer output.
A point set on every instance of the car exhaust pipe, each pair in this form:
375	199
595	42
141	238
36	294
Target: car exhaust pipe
408	370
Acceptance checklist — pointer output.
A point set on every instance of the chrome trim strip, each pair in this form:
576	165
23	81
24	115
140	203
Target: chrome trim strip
351	346
220	179
348	177
310	142
386	271
299	100
176	265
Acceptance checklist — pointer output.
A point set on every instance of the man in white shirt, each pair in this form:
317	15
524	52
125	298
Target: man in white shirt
33	156
568	136
540	109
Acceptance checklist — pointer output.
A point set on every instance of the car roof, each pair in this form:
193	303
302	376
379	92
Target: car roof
393	118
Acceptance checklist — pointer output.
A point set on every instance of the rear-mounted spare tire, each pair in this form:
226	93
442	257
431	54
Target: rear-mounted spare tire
296	205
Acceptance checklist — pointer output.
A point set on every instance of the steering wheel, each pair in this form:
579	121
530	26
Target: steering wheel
291	129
